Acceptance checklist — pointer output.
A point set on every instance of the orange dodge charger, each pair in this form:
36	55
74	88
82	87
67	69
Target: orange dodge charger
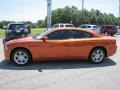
60	44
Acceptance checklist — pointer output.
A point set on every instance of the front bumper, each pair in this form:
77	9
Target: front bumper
7	54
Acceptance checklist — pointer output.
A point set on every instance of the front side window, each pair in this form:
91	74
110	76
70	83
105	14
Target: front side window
59	35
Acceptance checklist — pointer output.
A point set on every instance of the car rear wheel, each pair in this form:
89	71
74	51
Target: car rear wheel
21	57
97	55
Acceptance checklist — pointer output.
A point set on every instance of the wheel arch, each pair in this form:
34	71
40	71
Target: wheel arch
20	48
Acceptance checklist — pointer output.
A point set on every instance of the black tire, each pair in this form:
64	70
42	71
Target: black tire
21	57
97	55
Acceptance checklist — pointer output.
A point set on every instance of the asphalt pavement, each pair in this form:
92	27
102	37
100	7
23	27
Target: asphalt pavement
62	75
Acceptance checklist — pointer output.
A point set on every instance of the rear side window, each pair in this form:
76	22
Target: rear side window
76	34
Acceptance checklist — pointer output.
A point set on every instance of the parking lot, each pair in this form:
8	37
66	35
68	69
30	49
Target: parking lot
62	75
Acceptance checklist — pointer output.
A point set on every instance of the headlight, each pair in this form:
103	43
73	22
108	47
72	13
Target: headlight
5	47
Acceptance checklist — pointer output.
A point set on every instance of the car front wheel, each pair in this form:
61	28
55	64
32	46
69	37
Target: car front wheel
21	57
97	55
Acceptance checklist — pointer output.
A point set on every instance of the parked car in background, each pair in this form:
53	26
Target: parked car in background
108	29
91	27
60	44
118	29
16	30
62	25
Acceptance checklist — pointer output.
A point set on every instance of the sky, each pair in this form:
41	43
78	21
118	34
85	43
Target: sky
34	10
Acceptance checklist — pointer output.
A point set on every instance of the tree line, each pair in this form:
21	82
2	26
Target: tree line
78	17
5	23
75	16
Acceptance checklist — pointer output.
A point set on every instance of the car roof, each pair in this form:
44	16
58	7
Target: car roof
14	24
107	25
88	24
63	24
74	28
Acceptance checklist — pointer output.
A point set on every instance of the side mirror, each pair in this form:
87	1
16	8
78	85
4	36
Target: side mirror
44	39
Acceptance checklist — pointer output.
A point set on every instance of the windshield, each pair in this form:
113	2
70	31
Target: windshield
16	26
39	36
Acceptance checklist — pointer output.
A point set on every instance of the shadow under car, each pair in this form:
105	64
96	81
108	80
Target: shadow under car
51	65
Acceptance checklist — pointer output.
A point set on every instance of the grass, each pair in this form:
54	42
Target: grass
33	31
37	30
2	33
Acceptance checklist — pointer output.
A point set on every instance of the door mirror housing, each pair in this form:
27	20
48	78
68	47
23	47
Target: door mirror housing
44	39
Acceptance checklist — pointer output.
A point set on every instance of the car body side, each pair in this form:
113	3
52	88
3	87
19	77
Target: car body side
61	49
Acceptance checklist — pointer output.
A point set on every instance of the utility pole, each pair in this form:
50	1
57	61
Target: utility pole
49	7
82	11
119	9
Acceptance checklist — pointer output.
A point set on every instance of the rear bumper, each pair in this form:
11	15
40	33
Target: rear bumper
111	50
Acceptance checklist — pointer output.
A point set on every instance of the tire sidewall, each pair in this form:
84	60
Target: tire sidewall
27	53
91	53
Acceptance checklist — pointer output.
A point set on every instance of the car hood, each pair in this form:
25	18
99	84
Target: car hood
21	40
